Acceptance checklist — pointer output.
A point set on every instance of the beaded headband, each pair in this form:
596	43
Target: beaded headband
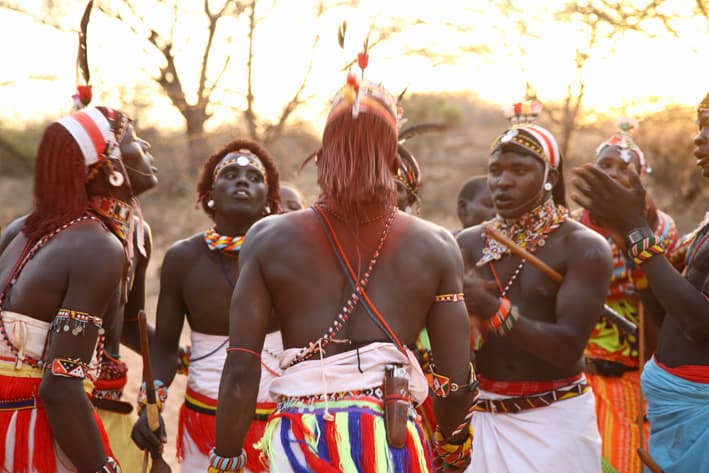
241	158
534	138
625	143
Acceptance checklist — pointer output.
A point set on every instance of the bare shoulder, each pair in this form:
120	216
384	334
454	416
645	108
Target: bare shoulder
184	251
11	231
586	245
91	248
470	237
272	232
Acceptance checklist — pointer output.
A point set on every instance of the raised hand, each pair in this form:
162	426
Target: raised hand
615	207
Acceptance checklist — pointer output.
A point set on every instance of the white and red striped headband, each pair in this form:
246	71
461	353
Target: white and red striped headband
93	133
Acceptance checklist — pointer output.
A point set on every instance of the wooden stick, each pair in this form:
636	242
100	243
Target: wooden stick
649	462
151	407
623	324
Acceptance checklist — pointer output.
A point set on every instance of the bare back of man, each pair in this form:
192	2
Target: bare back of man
307	305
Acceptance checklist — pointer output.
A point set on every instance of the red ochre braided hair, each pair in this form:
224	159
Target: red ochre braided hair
206	178
63	171
359	152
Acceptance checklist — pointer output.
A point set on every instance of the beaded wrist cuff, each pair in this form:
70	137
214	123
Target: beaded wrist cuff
160	395
645	249
111	466
454	456
219	464
442	386
504	319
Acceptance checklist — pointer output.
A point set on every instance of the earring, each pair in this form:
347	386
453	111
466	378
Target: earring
267	210
116	179
210	204
547	186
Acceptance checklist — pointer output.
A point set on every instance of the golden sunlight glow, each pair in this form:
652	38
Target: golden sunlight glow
633	71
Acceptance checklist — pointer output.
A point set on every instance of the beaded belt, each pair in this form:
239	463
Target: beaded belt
513	405
376	393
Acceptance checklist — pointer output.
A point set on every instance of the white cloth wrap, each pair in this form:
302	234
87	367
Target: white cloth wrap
205	374
560	437
341	372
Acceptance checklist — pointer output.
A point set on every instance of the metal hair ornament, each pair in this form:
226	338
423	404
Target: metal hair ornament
241	158
623	140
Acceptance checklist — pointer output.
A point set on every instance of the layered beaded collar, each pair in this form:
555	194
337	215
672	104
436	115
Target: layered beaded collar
530	231
117	215
225	243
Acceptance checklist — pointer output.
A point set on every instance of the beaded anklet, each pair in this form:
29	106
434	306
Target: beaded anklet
645	249
219	464
504	319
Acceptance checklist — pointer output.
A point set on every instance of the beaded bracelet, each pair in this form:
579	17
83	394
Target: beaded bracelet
645	249
160	395
450	455
111	466
442	385
219	464
504	319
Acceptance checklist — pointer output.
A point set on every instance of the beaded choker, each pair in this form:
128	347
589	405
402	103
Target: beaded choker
117	215
529	231
226	243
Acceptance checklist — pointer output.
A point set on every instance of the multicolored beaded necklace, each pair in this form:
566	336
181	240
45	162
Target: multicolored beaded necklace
225	243
117	216
530	231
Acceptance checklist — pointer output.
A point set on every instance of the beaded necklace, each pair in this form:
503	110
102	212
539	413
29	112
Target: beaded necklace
117	215
530	231
226	243
27	254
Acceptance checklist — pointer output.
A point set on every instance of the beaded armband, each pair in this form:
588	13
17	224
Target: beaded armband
454	456
111	466
160	395
504	319
645	249
69	368
219	464
73	321
442	385
456	297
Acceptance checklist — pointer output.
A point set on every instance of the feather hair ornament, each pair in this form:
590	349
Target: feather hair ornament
82	97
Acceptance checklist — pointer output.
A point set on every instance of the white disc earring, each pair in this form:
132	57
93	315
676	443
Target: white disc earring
210	203
547	186
116	179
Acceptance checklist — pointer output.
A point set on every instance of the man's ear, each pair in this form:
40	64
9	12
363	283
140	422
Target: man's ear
553	177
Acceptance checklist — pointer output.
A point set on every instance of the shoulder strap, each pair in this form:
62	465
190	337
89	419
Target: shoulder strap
359	287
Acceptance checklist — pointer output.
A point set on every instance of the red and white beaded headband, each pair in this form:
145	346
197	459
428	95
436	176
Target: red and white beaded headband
242	158
94	135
